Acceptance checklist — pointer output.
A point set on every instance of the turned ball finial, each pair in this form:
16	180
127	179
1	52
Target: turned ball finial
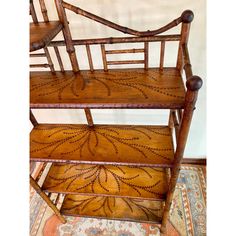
194	83
187	16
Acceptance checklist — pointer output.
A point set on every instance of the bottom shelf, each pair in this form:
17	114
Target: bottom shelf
114	208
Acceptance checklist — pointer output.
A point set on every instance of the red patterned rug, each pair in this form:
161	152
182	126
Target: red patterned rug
187	216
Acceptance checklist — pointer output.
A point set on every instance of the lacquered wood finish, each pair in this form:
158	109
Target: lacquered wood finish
102	144
122	181
126	88
119	178
42	33
113	208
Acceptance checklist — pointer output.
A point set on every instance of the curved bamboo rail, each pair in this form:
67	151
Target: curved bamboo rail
187	17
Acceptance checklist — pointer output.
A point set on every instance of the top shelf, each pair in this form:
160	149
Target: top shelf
42	33
124	88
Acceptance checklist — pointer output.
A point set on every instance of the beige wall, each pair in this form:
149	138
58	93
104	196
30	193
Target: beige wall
140	15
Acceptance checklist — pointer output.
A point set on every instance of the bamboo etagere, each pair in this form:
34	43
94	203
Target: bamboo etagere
124	172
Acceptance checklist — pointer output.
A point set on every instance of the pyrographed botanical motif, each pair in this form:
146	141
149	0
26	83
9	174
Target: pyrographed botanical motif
103	84
107	206
117	143
130	181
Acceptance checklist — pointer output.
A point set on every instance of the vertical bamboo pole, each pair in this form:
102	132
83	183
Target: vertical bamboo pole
37	188
104	57
162	54
193	85
59	58
33	12
89	116
67	35
49	59
89	57
33	119
171	122
43	10
146	55
187	17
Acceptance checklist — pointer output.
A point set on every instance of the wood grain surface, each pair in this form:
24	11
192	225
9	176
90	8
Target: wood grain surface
102	144
136	182
113	208
42	33
126	88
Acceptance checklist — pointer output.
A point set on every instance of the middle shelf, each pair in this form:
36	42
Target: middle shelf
129	145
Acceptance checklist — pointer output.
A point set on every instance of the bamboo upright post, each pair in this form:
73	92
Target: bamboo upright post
193	85
187	17
37	188
67	35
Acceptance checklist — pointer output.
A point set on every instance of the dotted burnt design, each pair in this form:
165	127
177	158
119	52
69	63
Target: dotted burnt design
82	138
94	176
107	206
78	83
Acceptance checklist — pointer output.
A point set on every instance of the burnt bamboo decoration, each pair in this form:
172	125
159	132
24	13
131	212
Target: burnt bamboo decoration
113	40
46	198
120	28
33	119
59	58
67	35
193	84
44	10
187	18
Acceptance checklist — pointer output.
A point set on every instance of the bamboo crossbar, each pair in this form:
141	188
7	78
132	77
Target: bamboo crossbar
38	55
120	28
134	50
187	63
39	65
113	40
125	62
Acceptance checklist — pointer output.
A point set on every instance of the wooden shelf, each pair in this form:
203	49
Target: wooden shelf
102	144
42	33
126	88
107	180
113	208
